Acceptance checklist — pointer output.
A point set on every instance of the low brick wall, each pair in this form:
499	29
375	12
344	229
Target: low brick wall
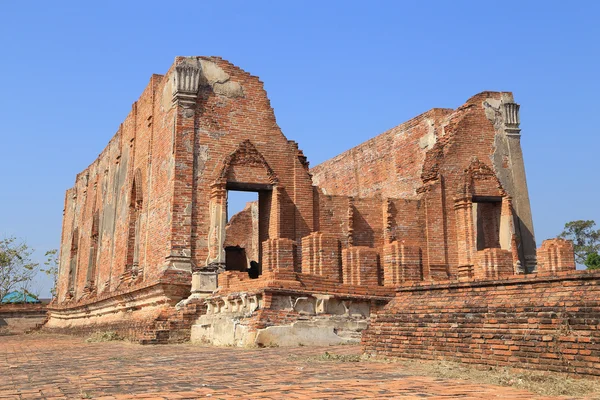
19	318
234	282
539	322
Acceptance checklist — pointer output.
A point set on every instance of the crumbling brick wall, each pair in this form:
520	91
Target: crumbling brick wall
439	158
388	165
150	203
103	192
237	141
440	196
556	255
144	206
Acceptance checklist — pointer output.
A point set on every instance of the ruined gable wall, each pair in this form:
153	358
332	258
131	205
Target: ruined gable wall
426	158
105	188
223	121
388	165
469	135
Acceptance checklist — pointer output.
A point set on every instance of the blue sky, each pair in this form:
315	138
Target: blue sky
337	73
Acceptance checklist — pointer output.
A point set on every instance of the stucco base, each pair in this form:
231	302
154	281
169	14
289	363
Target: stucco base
267	319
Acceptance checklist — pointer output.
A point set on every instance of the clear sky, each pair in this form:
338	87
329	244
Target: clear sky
337	74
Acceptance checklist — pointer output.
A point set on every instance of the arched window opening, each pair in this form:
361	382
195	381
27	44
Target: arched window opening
486	220
91	272
73	261
133	240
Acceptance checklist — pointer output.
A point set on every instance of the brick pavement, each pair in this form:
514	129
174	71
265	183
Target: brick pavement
60	367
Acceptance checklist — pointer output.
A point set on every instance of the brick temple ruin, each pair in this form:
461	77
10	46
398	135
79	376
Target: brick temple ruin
434	211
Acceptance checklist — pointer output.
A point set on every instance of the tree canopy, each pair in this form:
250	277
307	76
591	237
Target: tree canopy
51	268
16	267
592	261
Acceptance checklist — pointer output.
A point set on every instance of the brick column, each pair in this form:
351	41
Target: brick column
465	237
555	255
523	220
186	80
218	222
435	264
320	255
360	266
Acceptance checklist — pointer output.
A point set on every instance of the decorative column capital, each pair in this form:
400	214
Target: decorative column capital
218	190
186	82
512	120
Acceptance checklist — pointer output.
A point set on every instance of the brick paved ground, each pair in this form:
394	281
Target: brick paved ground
59	367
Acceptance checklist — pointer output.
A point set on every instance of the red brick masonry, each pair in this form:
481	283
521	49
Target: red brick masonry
536	321
442	196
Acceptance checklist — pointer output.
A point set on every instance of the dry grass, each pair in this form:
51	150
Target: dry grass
539	382
108	336
327	356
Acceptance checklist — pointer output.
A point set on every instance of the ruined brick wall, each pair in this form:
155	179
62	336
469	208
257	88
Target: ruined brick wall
540	322
389	165
469	138
144	206
437	158
227	122
433	184
367	222
441	195
331	215
133	170
405	222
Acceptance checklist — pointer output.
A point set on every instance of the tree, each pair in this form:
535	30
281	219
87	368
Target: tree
592	261
585	239
16	267
51	269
